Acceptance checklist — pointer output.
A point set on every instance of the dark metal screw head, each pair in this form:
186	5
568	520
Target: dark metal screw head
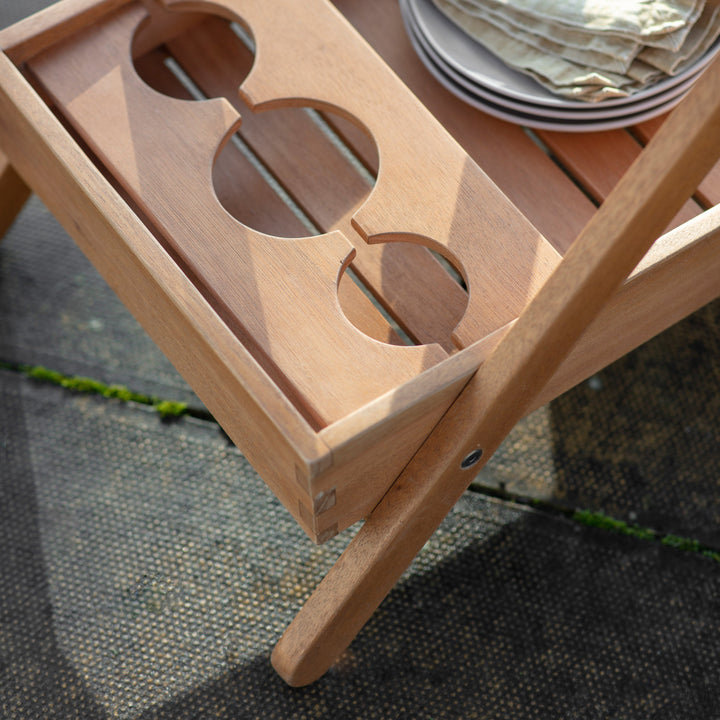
472	459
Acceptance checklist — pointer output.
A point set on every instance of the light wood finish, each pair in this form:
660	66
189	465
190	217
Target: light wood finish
159	294
14	193
259	284
263	208
406	279
300	60
504	387
330	435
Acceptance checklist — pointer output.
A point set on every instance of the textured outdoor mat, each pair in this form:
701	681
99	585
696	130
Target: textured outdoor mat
56	311
146	573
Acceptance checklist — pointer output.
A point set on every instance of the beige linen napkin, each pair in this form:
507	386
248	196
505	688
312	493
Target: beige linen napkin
625	49
702	35
556	73
662	23
609	56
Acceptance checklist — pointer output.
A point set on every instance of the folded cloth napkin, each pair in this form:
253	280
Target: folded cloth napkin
611	54
601	48
642	20
698	41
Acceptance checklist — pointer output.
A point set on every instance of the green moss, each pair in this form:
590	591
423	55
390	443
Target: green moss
641	533
165	408
681	543
605	522
120	392
41	373
84	385
169	408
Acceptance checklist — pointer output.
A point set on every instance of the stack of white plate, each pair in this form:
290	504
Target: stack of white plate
477	76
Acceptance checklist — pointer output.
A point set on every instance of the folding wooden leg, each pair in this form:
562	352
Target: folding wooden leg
13	195
504	387
373	562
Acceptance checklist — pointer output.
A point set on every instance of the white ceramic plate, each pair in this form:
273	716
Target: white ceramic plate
587	111
535	121
481	67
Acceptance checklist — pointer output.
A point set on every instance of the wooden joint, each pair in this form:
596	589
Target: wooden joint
327	534
324	501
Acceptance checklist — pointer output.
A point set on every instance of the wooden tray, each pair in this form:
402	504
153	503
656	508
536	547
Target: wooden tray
151	133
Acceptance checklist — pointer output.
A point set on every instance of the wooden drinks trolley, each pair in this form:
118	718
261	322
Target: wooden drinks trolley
154	130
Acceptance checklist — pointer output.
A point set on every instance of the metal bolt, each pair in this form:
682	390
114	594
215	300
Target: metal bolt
472	459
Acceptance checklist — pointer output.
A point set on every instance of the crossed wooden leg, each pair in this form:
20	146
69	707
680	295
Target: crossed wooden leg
386	544
504	387
13	195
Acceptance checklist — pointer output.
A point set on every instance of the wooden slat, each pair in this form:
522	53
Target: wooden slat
13	194
598	160
279	296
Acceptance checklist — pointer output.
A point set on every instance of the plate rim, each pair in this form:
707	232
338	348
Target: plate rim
535	122
594	112
543	97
